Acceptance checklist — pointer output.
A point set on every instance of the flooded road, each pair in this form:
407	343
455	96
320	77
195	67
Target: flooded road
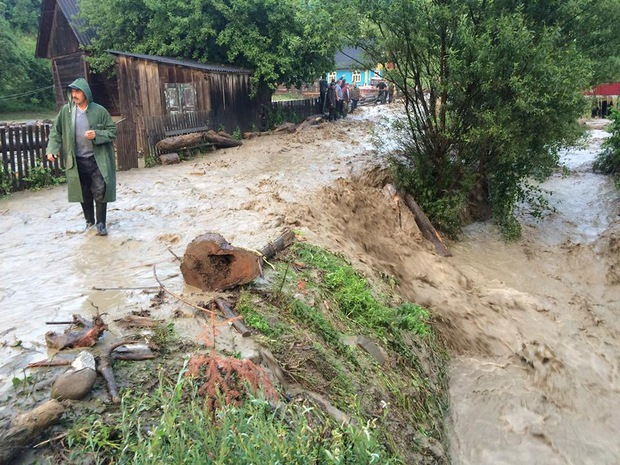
533	326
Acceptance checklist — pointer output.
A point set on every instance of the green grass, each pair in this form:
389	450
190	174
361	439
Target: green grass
172	425
22	116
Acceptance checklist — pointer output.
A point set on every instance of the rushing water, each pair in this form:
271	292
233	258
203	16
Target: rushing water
547	389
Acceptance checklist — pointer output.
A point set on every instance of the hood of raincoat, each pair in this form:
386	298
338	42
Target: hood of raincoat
79	84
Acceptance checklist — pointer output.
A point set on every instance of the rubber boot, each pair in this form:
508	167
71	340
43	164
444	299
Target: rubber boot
89	213
101	217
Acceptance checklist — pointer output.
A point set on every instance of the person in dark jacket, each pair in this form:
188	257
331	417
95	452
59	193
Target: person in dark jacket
83	133
331	101
323	86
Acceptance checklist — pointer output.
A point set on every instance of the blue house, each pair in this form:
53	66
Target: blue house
349	64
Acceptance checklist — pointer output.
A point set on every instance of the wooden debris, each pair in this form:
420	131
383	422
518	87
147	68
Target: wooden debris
169	158
426	227
210	263
228	313
221	139
136	321
86	335
282	242
20	432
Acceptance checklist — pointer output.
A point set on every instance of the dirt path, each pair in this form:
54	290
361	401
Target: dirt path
531	325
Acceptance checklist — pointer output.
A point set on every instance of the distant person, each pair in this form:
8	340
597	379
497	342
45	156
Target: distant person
331	101
390	92
346	98
338	88
382	86
355	96
323	86
83	132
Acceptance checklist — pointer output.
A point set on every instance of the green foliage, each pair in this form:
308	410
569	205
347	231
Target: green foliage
6	181
237	133
40	177
25	81
282	41
22	15
493	90
172	425
608	161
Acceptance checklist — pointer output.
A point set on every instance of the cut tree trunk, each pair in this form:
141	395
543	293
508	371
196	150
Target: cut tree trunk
210	263
22	430
179	142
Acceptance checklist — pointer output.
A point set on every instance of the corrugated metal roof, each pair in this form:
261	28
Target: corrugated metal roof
71	11
186	63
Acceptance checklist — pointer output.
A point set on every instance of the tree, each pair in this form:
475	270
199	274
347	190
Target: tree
25	82
492	89
282	41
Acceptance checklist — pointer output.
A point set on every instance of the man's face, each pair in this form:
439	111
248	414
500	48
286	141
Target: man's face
78	97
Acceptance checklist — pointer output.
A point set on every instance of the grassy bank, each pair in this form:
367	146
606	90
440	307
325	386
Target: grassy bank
362	381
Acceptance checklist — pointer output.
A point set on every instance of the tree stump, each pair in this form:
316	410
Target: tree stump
210	263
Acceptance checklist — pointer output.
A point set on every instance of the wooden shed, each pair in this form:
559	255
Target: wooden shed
161	97
62	39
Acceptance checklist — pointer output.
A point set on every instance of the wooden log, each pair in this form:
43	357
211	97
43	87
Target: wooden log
282	242
425	226
210	263
221	141
20	432
228	313
179	142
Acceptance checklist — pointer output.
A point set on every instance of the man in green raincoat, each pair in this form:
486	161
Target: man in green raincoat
84	133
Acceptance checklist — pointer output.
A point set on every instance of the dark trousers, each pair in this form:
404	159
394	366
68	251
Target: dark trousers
93	189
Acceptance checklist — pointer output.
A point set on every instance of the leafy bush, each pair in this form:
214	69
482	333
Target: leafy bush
608	161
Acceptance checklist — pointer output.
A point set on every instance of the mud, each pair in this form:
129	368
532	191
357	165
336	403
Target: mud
532	325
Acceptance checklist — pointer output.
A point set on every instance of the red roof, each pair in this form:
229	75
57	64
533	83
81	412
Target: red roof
612	88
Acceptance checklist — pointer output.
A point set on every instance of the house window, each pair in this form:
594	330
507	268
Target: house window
180	98
332	77
357	76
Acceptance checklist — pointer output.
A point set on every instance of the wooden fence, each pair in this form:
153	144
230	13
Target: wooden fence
23	156
294	111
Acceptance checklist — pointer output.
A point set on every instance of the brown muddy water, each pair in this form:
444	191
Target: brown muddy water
532	326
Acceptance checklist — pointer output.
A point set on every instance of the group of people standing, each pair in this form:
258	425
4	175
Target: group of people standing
337	96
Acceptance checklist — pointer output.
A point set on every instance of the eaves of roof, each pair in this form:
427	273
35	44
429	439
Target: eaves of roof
186	63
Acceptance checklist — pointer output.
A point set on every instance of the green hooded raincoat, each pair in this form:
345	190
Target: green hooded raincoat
62	137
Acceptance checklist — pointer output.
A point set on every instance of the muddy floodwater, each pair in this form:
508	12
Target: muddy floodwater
532	326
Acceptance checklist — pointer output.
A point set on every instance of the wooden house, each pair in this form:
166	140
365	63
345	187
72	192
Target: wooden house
162	97
62	39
